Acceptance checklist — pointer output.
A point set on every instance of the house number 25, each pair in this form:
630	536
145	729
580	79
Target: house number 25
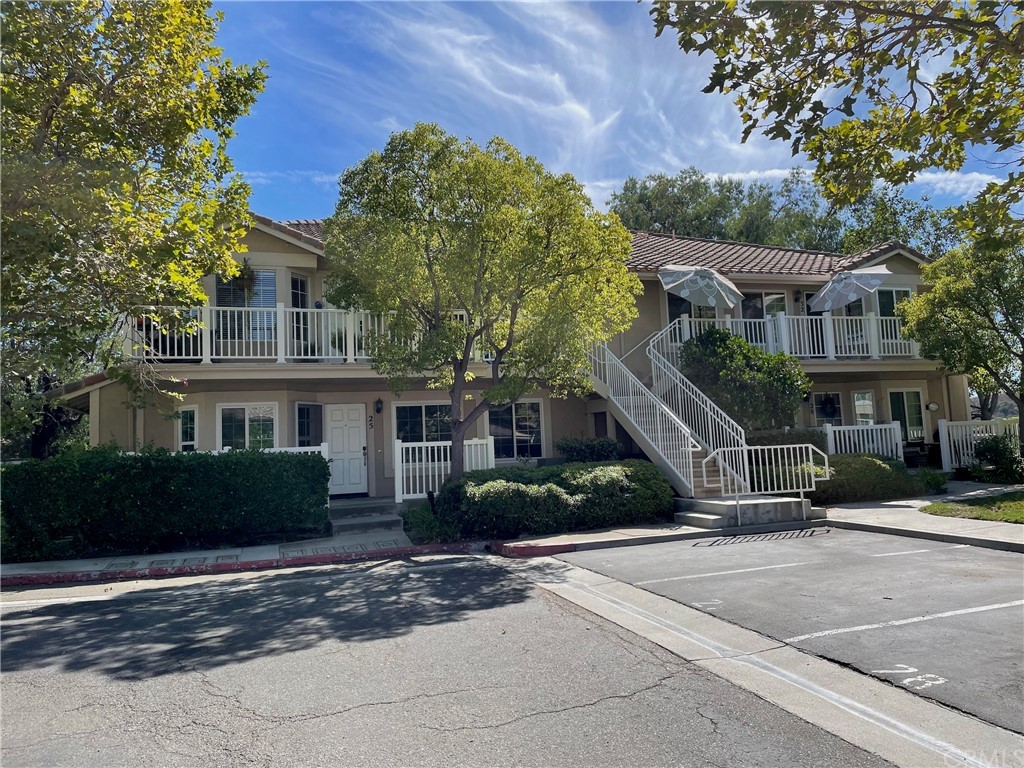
369	421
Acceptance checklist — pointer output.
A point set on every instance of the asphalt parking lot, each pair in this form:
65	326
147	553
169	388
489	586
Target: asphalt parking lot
944	621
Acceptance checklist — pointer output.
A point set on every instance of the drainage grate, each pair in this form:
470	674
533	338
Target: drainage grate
749	538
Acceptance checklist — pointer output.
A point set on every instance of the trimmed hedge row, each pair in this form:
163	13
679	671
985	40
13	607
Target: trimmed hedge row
589	449
815	437
858	477
509	502
97	501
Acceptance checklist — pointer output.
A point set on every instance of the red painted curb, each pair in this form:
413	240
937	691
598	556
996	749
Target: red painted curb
130	574
531	550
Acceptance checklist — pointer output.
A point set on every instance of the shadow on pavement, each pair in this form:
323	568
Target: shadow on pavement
153	632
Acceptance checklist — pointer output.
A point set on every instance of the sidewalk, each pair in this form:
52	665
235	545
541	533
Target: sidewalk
901	518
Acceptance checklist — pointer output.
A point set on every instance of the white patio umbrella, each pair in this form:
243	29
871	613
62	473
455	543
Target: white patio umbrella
846	287
699	285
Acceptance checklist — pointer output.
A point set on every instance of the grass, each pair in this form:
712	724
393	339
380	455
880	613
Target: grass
1006	507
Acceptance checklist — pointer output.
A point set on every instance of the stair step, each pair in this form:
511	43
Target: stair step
382	521
703	520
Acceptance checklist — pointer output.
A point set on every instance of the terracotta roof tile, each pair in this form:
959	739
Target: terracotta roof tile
286	228
653	250
311	227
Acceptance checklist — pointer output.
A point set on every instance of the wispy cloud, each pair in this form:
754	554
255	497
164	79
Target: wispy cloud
321	178
957	183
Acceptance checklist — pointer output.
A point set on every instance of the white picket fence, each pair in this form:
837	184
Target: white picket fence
958	438
769	469
423	467
881	439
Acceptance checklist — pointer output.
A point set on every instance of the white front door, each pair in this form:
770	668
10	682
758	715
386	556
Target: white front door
346	437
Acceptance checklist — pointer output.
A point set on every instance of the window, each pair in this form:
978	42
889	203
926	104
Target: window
757	306
248	426
309	425
888	298
864	408
807	306
262	294
300	291
855	308
678	306
827	409
905	406
516	430
187	435
423	423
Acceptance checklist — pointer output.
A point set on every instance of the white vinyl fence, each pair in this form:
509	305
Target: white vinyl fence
423	467
882	439
770	468
958	438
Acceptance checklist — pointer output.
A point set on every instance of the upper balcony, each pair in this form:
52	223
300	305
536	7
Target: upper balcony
281	334
813	337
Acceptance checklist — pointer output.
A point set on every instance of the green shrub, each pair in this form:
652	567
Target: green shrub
998	460
815	437
93	501
860	477
933	480
423	527
589	449
511	501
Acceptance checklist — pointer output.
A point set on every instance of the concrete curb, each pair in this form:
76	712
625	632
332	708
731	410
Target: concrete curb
131	574
950	538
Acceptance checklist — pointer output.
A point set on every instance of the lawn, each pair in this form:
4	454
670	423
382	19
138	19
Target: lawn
1007	507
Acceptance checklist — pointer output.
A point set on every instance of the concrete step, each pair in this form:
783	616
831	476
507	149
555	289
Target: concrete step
753	510
381	521
701	520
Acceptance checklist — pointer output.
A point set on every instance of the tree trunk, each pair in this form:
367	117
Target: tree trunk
458	447
987	405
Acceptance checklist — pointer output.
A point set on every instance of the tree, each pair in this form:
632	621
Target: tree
758	389
477	254
987	392
117	189
874	91
973	317
886	213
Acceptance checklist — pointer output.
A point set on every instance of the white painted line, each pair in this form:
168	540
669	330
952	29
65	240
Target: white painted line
900	622
856	708
718	573
904	552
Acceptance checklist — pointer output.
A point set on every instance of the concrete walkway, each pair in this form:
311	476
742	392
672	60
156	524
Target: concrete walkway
903	518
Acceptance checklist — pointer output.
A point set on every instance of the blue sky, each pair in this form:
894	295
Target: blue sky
585	87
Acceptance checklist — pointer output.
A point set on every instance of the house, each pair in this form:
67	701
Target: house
271	367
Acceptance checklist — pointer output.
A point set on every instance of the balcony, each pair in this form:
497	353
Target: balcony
818	337
207	335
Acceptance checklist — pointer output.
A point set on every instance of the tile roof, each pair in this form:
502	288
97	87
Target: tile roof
652	250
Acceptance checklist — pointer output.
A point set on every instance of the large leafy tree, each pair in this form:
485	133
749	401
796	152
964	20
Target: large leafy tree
973	317
117	190
874	90
484	262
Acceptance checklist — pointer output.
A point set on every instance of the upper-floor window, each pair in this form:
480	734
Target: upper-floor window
757	306
678	306
300	291
889	298
260	291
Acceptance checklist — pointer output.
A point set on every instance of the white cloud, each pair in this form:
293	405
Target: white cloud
320	178
957	183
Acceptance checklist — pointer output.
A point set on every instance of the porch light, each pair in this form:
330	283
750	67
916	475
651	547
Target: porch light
378	406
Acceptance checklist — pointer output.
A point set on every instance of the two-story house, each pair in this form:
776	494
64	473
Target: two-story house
272	366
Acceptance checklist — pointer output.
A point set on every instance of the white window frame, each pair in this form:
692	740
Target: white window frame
179	443
925	425
764	303
838	396
543	429
892	289
395	405
854	415
277	421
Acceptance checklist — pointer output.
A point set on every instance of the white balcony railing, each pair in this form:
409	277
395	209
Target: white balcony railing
823	337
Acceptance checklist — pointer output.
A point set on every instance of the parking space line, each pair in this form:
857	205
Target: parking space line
904	552
718	573
900	622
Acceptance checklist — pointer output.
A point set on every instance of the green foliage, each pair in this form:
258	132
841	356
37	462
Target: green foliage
422	527
815	437
998	460
117	188
973	317
576	449
933	480
1006	507
512	501
854	86
477	250
97	501
866	478
758	389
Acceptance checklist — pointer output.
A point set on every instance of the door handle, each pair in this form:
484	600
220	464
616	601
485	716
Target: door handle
364	455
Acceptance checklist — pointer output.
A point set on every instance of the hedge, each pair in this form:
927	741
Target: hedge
858	477
98	501
509	502
815	437
589	449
